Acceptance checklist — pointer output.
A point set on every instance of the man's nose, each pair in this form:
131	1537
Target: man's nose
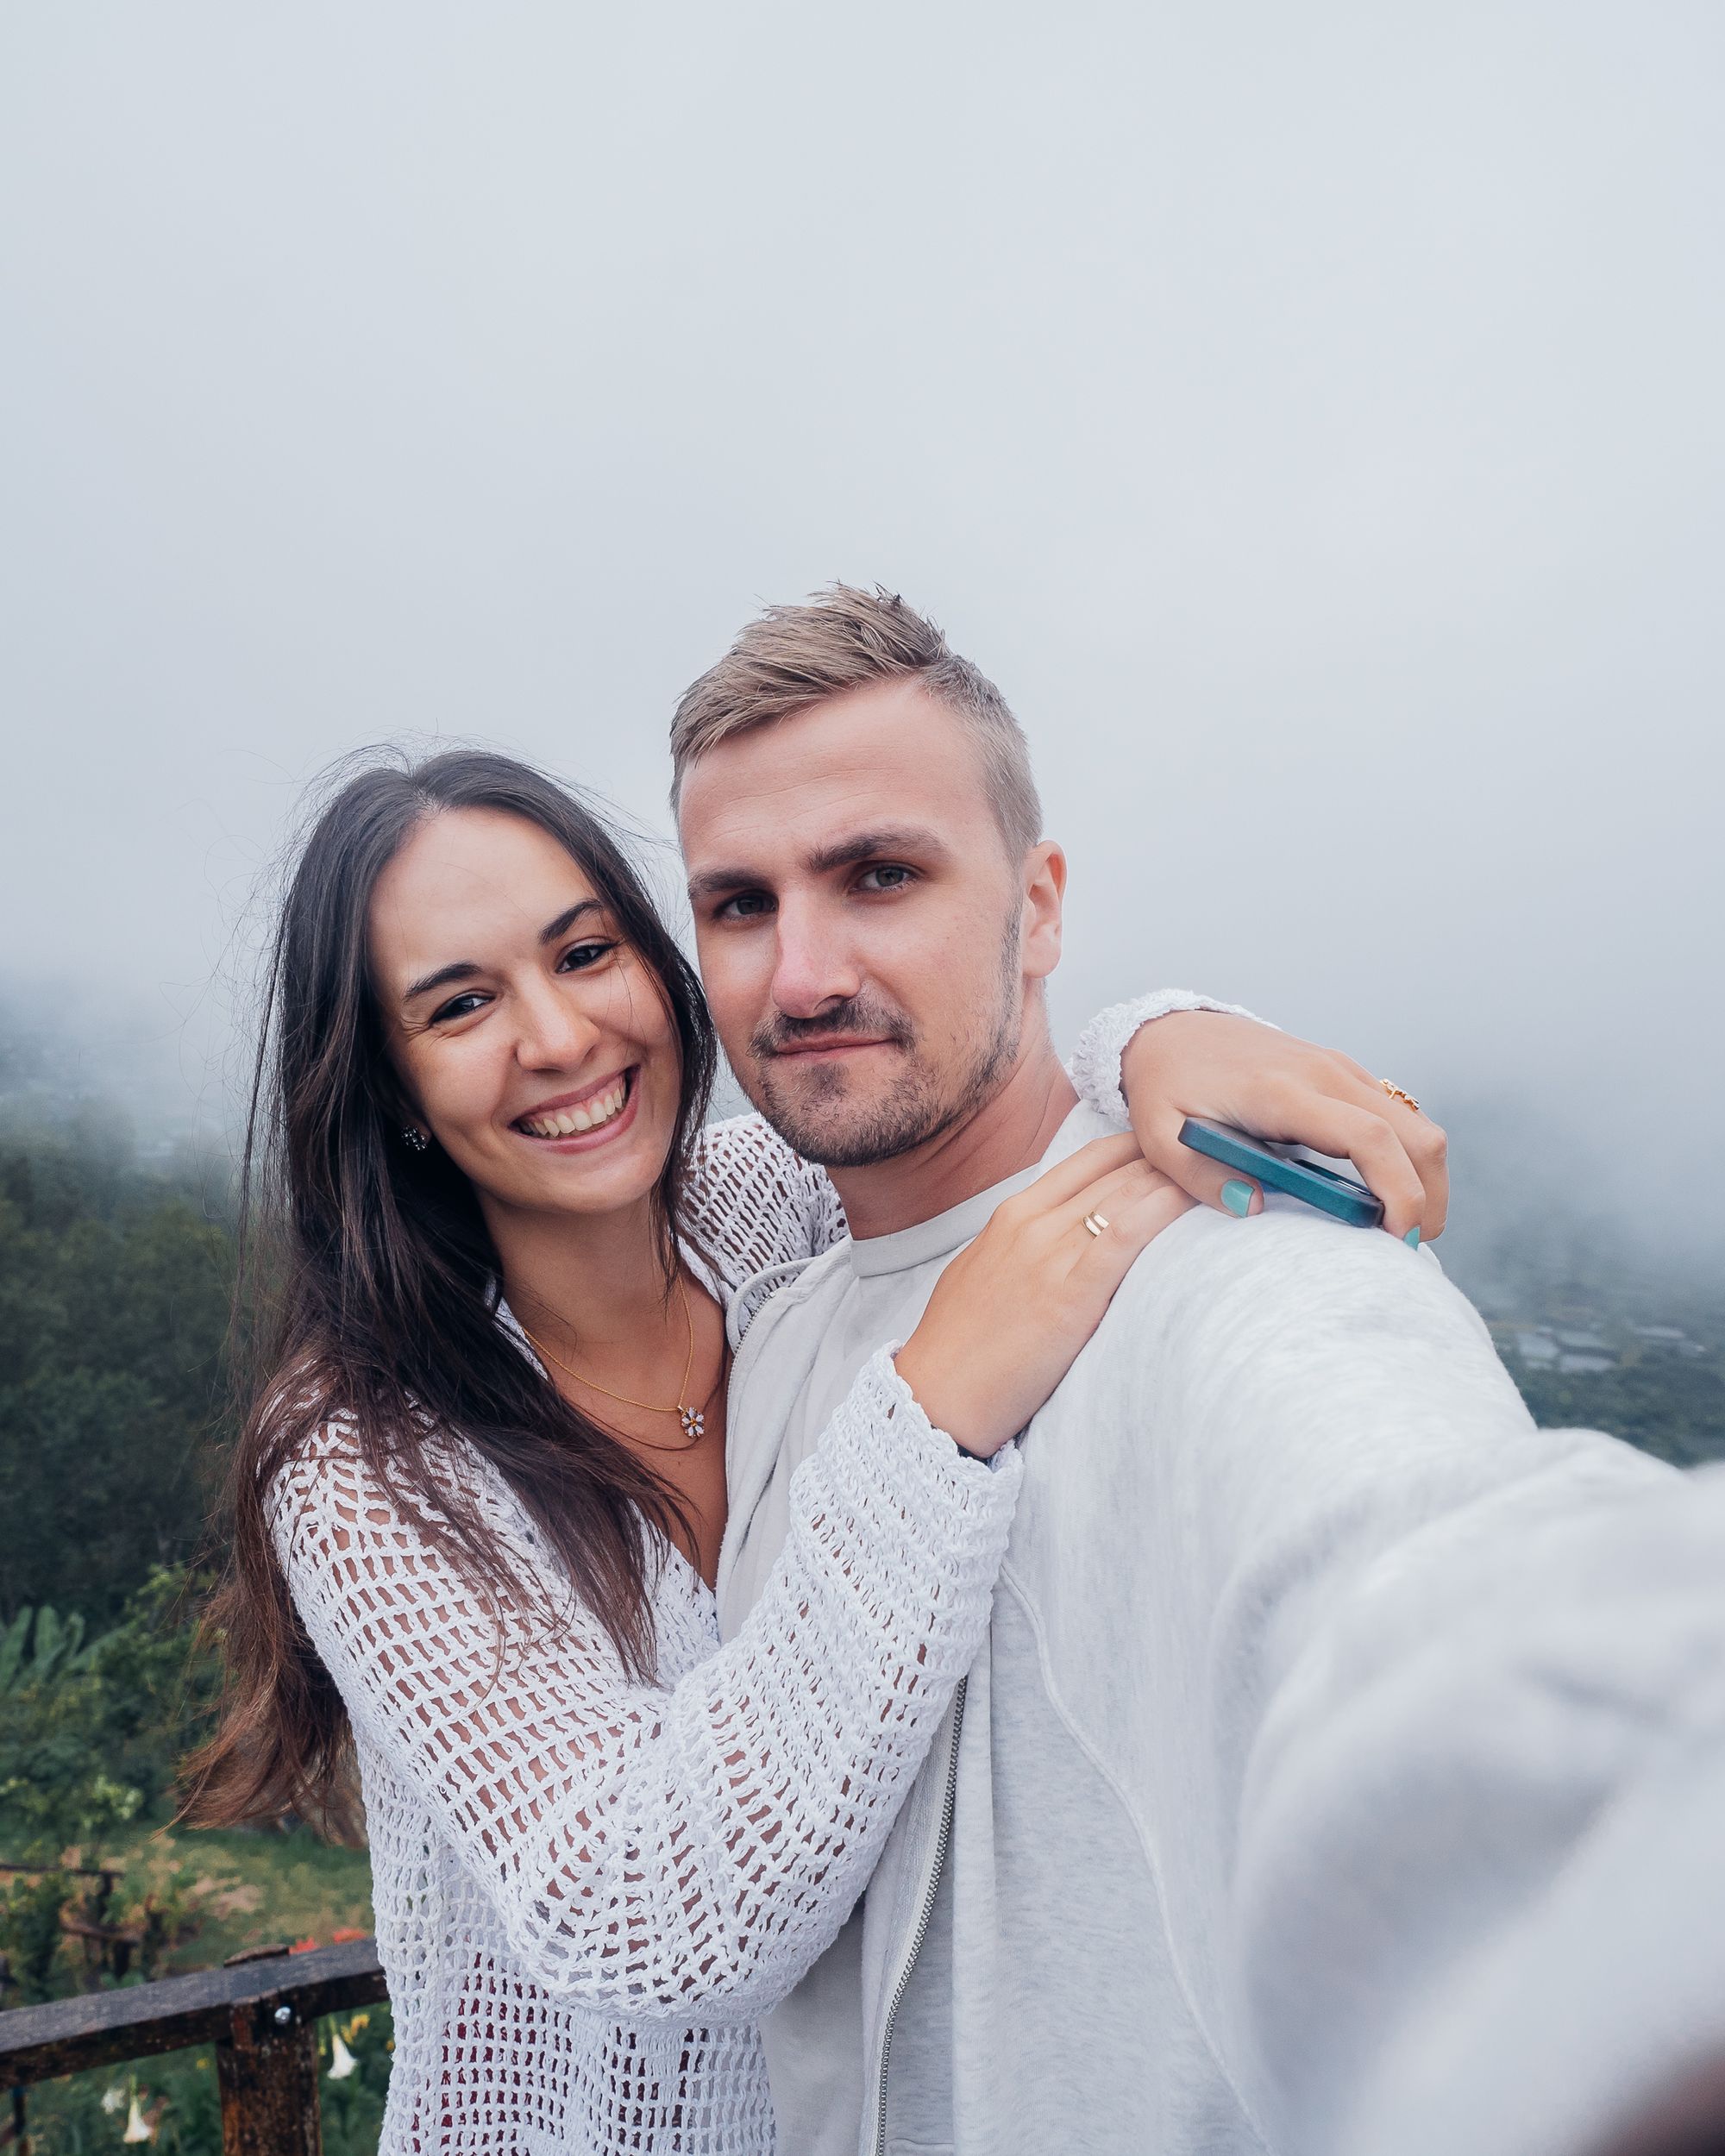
553	1031
813	964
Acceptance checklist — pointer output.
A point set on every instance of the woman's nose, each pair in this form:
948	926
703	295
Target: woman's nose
554	1030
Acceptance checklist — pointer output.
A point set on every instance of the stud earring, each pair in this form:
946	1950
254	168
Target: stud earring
415	1137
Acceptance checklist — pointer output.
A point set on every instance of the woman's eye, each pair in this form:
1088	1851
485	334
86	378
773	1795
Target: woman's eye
887	875
581	957
459	1006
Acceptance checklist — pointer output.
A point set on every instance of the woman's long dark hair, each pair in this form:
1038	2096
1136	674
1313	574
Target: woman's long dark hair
378	1281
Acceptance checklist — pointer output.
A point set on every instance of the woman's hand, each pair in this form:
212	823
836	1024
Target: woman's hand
1010	1313
1233	1070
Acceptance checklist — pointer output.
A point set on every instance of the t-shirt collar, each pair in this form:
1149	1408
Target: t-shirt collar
949	1231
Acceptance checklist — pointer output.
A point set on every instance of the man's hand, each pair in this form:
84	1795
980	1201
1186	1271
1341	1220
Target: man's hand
1233	1070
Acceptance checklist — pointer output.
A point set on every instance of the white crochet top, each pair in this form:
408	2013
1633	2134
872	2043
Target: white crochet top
586	1889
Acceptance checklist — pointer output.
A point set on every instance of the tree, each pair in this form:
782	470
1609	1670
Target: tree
114	1298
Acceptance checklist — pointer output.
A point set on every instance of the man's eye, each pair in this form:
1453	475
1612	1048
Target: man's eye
581	957
886	875
746	905
461	1007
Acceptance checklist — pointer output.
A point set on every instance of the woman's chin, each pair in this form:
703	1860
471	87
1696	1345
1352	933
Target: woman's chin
613	1178
620	1186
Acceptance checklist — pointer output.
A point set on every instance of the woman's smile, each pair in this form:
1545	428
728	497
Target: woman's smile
577	1122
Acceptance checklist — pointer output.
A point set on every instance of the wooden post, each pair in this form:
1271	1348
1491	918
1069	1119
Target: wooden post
266	2070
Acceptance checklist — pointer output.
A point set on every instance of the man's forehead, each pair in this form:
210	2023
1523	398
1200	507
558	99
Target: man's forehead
878	758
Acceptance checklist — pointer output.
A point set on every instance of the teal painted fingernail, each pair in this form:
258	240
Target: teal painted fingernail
1412	1239
1238	1197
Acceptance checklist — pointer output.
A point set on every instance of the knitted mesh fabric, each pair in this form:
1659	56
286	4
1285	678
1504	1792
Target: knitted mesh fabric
586	1889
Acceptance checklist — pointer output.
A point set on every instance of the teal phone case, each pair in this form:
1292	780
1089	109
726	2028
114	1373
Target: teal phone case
1286	1169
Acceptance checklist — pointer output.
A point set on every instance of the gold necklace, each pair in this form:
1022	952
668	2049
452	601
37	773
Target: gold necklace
700	1413
693	1419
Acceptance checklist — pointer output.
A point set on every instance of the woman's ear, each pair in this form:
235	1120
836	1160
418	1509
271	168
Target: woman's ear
1045	869
400	1114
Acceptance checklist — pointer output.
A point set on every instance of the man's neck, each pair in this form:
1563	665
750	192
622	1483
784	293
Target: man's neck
1011	1131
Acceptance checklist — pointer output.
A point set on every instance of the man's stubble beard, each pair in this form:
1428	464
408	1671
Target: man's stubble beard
925	1104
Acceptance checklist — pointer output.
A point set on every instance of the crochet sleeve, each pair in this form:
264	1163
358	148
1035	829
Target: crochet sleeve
1095	1066
652	1851
754	1204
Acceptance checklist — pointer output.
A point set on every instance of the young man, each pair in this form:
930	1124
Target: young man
1184	1869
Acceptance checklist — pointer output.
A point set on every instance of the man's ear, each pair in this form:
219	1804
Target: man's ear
1044	890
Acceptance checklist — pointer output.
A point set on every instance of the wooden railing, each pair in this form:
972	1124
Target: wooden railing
258	2011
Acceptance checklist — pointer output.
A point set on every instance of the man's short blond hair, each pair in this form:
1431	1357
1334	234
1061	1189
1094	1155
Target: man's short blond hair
846	638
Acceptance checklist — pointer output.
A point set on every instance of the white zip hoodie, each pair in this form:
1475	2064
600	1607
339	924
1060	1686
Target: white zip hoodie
1242	1780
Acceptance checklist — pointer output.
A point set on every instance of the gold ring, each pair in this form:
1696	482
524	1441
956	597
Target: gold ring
1396	1094
1095	1222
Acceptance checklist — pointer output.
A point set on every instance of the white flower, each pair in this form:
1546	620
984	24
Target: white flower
136	2130
114	2099
342	2060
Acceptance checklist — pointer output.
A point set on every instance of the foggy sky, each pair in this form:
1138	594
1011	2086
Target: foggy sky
1310	417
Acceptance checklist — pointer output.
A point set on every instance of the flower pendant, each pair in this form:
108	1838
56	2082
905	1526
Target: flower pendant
693	1422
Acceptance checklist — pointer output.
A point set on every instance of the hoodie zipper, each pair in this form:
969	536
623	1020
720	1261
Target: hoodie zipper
941	1839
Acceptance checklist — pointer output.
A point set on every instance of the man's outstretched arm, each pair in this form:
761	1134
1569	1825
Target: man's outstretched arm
1526	1729
1402	1660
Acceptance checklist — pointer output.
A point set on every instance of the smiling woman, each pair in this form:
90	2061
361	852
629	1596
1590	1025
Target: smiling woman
477	1508
415	935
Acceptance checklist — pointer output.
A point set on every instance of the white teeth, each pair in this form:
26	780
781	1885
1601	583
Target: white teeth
567	1121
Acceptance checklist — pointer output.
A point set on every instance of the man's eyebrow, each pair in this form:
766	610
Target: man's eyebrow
888	843
712	883
465	968
885	844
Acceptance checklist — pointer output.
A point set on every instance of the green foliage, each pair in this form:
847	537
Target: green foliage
91	1732
114	1299
37	1645
63	1931
30	1933
57	1786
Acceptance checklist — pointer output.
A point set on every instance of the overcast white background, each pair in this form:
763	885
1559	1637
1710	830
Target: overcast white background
1311	415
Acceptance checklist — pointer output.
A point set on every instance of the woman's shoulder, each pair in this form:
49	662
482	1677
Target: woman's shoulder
343	1513
320	1463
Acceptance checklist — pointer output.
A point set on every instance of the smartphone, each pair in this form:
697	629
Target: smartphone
1290	1168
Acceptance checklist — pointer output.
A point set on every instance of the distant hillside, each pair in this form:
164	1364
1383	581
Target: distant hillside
1608	1314
59	1052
